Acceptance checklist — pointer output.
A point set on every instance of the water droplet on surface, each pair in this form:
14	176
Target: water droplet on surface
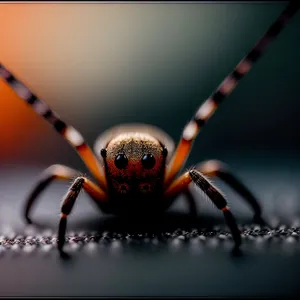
74	247
282	227
181	237
47	247
222	236
28	248
15	247
290	240
213	242
47	233
257	228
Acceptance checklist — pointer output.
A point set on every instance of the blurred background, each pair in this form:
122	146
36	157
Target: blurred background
99	65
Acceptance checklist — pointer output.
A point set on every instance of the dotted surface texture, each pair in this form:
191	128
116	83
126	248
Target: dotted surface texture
177	255
255	233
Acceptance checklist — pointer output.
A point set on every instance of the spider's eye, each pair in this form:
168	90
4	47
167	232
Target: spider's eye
148	161
103	152
165	151
121	161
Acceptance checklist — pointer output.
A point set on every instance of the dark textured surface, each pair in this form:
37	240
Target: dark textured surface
254	233
175	255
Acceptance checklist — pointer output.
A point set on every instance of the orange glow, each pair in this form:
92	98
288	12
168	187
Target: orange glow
14	115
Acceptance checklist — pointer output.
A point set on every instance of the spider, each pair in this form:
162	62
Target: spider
136	165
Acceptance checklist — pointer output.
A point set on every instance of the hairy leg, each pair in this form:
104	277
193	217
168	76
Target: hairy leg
181	184
222	171
69	201
55	172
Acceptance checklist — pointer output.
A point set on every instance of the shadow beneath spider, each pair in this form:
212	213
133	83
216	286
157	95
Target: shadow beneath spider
167	222
171	222
174	223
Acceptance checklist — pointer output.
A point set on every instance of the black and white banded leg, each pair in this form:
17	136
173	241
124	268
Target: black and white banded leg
68	132
209	106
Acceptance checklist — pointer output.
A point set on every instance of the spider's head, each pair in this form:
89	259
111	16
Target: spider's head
135	163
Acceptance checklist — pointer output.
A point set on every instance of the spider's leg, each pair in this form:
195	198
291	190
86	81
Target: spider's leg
181	184
68	132
69	201
57	172
207	109
222	171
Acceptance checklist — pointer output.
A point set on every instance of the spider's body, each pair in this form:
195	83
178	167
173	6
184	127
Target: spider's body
136	166
134	159
125	172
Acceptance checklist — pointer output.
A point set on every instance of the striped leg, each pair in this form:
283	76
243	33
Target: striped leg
207	109
181	185
69	201
68	132
58	172
220	170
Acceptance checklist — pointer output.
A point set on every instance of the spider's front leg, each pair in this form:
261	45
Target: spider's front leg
54	173
222	171
69	201
181	185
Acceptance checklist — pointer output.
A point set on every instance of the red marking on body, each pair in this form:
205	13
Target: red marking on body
134	175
